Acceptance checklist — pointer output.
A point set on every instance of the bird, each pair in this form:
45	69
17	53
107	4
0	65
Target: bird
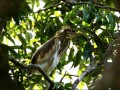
48	55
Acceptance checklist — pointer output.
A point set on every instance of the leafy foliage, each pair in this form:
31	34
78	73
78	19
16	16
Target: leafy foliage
23	30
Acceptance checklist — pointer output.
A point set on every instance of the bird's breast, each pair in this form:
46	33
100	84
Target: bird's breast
49	66
55	61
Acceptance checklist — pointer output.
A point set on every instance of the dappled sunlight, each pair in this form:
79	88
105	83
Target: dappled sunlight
84	55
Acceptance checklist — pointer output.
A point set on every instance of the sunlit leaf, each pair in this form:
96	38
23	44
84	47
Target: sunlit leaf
21	39
71	13
10	38
23	31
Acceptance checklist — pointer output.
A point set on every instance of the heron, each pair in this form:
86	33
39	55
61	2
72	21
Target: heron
48	55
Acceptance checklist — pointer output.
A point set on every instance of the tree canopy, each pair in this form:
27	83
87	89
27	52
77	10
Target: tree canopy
92	60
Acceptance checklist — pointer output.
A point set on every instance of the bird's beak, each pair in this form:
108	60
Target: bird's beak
76	34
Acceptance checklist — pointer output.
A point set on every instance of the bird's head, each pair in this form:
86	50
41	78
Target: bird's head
67	33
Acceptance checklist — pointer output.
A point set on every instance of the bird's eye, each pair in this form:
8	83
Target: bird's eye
73	30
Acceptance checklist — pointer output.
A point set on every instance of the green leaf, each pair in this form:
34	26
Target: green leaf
98	18
111	21
105	21
10	38
48	4
67	86
28	36
85	15
23	41
48	25
70	57
71	14
77	58
37	3
87	51
99	43
33	3
12	51
15	47
87	78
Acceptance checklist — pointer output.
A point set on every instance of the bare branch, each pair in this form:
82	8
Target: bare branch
33	66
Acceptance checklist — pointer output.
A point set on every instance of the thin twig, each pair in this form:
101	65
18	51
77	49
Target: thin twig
48	7
63	77
72	75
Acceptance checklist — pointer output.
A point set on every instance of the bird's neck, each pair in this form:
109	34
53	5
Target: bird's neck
64	44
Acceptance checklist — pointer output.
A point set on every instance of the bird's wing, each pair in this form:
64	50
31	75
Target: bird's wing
46	51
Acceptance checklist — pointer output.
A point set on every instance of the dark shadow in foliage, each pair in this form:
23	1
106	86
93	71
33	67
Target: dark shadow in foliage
6	82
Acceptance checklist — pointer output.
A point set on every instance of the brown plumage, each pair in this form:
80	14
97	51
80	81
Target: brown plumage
48	55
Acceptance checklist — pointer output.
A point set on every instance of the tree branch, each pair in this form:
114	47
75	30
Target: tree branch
48	7
95	5
79	3
89	69
33	66
110	50
63	77
92	67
